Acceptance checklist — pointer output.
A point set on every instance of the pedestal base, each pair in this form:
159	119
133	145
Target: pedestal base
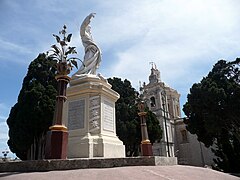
95	146
56	145
146	149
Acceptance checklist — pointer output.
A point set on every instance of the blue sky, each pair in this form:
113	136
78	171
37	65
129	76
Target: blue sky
183	37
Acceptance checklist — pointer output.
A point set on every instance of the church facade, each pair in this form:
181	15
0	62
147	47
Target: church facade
176	140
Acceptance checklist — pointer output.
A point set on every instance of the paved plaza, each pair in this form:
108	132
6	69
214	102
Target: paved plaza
176	172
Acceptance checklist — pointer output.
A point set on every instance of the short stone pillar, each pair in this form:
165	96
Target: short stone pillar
90	115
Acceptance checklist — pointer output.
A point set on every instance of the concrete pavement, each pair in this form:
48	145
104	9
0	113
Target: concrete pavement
176	172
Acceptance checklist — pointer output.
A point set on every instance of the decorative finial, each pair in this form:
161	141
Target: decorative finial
61	51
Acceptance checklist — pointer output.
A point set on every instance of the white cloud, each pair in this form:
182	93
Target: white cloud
3	136
12	47
184	38
4	109
3	131
3	127
3	118
181	37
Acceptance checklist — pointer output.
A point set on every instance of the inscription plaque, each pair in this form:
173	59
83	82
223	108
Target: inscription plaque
108	110
76	114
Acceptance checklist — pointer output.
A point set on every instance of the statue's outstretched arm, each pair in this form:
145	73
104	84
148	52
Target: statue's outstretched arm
86	22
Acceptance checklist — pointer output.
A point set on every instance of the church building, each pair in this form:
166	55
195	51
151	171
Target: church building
176	140
164	102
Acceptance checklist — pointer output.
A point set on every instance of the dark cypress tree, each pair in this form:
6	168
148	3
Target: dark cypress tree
214	114
32	115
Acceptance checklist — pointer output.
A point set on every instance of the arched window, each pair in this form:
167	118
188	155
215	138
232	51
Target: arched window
152	102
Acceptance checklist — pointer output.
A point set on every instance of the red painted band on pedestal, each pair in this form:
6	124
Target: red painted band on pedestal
56	145
146	149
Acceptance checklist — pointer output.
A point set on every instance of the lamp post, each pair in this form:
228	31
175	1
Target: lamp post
146	146
57	136
165	120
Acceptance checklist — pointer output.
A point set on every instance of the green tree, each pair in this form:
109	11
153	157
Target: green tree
127	119
31	116
213	113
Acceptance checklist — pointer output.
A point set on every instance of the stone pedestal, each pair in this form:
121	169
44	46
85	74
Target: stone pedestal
90	115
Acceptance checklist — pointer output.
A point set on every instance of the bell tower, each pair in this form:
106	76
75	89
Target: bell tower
155	74
164	102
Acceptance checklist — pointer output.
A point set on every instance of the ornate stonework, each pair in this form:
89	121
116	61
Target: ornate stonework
94	113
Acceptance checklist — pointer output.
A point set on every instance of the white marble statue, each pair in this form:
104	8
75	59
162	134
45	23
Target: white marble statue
92	57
